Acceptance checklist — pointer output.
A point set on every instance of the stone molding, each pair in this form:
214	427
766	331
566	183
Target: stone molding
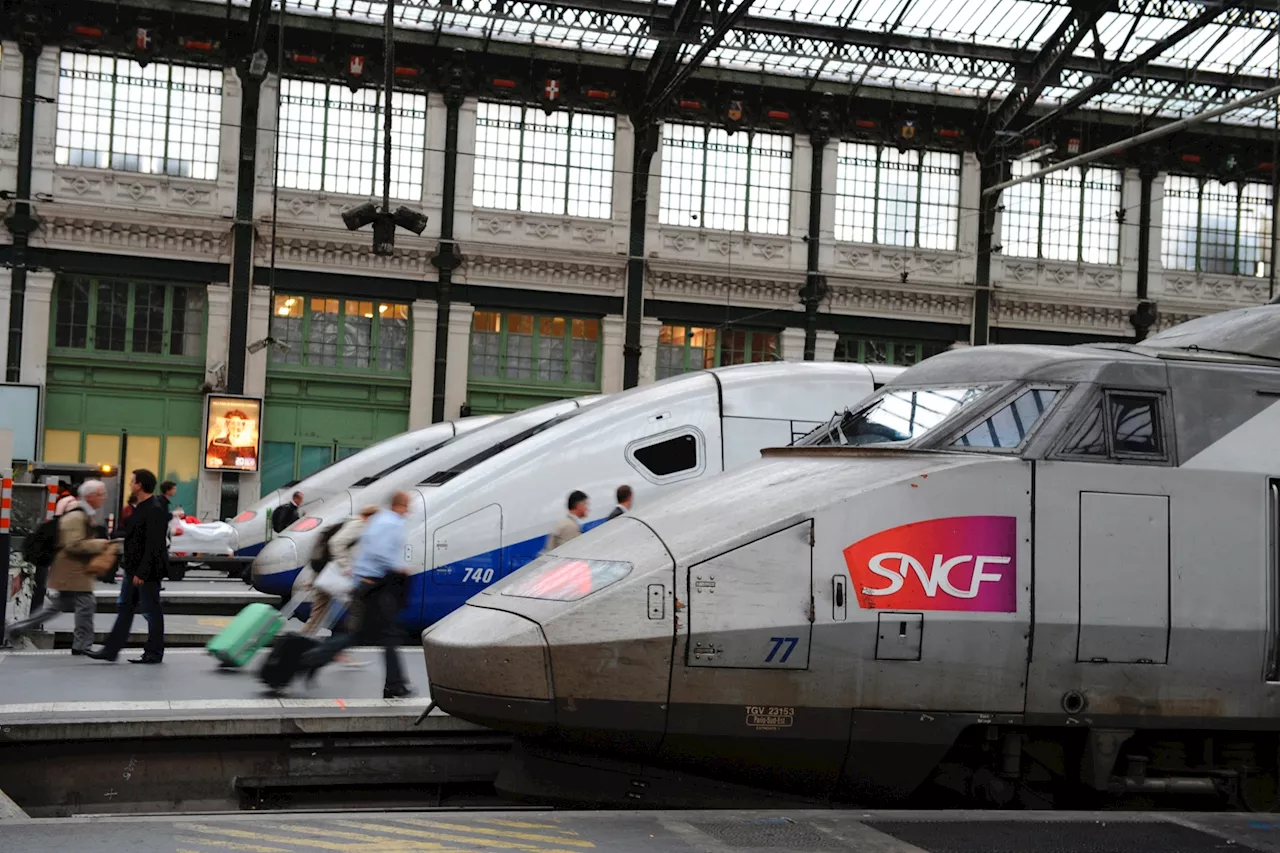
893	262
543	273
196	239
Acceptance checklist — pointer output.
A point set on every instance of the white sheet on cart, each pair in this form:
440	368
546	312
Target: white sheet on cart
211	538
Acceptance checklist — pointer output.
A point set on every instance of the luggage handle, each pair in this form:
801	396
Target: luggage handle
292	605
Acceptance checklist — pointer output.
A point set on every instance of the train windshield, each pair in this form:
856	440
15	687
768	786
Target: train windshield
897	414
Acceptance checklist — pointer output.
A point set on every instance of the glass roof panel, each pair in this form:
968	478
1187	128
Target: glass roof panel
944	46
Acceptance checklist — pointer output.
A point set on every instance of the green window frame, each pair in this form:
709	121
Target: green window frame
129	318
559	164
685	348
299	321
897	351
1209	226
893	197
713	181
520	348
1068	216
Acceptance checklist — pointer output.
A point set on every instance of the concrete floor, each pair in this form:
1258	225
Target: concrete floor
647	832
58	678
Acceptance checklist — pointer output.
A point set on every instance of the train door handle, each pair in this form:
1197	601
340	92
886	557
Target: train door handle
839	599
657	601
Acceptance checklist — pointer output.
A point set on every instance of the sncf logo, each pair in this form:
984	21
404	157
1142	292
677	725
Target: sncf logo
964	563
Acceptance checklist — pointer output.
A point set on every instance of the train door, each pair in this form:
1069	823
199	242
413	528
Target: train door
1106	509
741	676
466	556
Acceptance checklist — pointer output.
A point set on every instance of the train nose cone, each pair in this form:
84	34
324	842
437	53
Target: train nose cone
275	567
492	668
247	538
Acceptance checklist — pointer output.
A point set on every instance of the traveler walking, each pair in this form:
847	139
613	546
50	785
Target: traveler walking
376	600
146	563
286	513
167	490
80	555
337	576
569	527
624	502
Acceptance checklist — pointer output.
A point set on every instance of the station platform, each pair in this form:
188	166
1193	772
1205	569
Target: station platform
654	832
79	736
52	695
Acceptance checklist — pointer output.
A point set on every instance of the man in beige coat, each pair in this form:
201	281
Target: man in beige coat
79	558
569	527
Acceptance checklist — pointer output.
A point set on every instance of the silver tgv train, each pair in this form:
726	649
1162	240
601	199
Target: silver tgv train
252	528
1015	570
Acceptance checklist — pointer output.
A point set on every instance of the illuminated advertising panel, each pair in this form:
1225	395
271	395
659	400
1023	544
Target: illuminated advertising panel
232	434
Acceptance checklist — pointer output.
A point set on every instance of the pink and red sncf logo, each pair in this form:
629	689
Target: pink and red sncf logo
964	563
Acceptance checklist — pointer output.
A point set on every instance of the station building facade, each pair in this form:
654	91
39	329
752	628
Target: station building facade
136	172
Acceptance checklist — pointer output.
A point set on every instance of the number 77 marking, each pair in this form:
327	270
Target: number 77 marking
777	644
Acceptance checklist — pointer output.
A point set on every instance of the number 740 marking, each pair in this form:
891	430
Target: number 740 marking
777	644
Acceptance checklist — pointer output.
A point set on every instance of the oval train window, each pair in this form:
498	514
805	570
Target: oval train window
673	456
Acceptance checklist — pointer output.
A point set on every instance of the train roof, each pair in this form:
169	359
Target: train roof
1243	336
1245	332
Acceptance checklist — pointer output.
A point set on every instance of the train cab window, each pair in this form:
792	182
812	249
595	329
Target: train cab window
1135	424
1124	424
1009	426
673	456
1090	438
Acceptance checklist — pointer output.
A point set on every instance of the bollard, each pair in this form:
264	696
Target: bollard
111	524
51	499
6	515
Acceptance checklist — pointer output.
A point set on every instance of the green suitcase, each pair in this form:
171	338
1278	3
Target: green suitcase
254	626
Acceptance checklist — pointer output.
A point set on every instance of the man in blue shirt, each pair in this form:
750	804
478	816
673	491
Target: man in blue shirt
375	601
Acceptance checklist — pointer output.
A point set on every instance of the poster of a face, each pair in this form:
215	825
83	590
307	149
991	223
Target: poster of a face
232	434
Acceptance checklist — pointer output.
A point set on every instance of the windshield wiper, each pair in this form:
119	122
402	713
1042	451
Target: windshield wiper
1198	348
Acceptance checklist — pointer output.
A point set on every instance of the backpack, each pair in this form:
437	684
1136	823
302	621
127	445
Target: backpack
321	555
41	546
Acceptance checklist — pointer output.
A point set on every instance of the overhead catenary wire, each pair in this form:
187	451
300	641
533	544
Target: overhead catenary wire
1141	138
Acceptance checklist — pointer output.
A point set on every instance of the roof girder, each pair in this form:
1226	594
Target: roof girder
779	36
1104	82
1046	66
839	37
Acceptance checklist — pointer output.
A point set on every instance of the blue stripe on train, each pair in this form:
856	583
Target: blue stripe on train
434	594
250	550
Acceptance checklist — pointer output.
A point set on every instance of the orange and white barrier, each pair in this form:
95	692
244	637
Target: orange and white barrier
51	500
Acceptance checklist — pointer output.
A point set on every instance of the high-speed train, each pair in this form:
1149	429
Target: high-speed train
280	560
476	517
252	527
1015	570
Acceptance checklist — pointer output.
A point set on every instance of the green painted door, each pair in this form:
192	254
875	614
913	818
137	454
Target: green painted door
342	385
312	458
127	355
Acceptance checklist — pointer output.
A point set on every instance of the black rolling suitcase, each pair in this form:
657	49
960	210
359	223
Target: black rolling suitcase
285	659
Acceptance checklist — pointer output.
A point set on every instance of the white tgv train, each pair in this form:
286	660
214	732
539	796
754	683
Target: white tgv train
279	561
481	516
251	529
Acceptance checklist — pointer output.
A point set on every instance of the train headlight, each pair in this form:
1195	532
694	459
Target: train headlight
567	579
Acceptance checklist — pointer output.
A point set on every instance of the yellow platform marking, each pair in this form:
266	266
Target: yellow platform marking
365	844
230	845
214	621
517	836
468	838
380	842
401	835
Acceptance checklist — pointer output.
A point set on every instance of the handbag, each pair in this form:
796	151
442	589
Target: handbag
333	583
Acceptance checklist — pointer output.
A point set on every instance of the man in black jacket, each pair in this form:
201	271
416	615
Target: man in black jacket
145	561
286	514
